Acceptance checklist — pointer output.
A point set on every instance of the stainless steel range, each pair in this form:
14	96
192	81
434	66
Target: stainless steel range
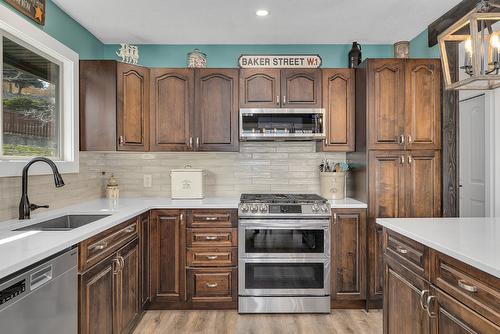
284	253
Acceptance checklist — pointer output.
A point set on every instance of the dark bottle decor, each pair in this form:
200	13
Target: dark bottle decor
355	55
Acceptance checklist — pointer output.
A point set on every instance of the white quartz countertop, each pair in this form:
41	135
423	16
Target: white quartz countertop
474	241
19	249
347	203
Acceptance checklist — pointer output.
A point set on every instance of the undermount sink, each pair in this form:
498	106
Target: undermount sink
63	223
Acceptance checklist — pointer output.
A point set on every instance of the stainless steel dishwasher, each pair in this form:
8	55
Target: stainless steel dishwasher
42	298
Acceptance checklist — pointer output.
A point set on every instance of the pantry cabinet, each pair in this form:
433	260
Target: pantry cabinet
280	88
348	254
339	103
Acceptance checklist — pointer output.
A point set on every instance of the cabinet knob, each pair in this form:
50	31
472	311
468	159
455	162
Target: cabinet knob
410	139
402	250
181	217
410	159
402	159
401	139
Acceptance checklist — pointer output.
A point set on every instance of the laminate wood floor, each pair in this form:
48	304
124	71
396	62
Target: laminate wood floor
230	322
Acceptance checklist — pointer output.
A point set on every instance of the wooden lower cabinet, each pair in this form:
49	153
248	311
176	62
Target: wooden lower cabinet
145	237
109	293
403	292
348	253
213	286
96	294
168	254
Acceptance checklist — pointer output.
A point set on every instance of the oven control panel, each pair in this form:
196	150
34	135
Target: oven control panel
262	209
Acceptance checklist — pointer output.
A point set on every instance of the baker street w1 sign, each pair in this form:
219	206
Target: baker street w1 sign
280	61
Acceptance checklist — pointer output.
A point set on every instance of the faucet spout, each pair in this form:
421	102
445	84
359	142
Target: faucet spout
25	207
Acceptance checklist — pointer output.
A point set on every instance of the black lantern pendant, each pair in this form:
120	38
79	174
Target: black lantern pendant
355	55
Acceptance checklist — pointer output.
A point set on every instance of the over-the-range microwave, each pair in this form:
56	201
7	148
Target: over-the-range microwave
282	124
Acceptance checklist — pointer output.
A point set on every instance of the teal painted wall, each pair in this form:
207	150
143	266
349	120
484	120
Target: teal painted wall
419	47
62	27
333	55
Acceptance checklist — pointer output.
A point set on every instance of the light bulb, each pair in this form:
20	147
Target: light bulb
468	46
495	41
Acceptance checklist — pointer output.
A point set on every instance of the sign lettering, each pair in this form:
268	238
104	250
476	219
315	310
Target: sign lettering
280	61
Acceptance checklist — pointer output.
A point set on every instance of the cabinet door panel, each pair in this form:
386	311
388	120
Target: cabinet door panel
97	287
348	254
260	88
423	184
172	105
128	288
456	318
168	255
145	259
386	99
216	110
423	104
402	310
339	102
132	107
301	88
386	199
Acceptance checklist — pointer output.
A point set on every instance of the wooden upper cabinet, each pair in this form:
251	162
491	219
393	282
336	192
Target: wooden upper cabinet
168	274
386	103
216	110
423	183
339	104
132	110
172	101
348	254
301	88
260	88
423	104
97	105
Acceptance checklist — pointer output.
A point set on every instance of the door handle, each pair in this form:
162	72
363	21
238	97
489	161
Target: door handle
190	145
284	99
430	299
423	298
212	257
197	142
401	139
121	140
467	287
208	237
277	99
40	277
410	139
410	159
402	159
212	285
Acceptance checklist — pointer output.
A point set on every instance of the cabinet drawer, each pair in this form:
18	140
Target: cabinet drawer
472	287
100	246
208	237
212	218
212	285
409	253
212	257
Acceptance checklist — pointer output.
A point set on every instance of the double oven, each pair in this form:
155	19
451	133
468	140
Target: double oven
284	256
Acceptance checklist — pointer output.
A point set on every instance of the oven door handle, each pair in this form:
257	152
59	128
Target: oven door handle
285	226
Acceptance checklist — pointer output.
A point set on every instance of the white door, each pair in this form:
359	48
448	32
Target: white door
472	157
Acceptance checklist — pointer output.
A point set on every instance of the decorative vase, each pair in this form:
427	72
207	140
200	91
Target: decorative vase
402	49
355	55
197	59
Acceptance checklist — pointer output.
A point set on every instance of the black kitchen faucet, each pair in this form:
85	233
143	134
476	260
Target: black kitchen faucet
25	207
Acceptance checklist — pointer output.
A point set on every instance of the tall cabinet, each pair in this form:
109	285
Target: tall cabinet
397	161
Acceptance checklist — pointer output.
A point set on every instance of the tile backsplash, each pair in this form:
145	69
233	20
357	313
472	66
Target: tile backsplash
258	167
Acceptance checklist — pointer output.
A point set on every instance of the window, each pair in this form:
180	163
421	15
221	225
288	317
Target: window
39	96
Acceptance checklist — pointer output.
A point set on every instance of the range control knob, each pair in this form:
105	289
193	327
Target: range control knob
254	208
324	208
244	208
315	208
263	208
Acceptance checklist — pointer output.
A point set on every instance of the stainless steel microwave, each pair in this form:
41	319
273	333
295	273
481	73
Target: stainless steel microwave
282	124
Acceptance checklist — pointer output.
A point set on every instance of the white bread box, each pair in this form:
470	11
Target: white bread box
187	183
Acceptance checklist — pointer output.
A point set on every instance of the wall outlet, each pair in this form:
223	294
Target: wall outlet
147	180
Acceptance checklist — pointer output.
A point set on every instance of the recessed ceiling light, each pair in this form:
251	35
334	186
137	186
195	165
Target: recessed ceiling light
262	12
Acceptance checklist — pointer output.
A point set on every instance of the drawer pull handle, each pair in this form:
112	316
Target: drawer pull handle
129	229
211	237
212	257
401	250
467	287
428	309
423	297
211	218
100	246
211	285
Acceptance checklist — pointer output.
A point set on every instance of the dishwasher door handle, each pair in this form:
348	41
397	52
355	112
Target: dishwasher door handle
39	278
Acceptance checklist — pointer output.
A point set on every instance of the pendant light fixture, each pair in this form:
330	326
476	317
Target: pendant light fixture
478	38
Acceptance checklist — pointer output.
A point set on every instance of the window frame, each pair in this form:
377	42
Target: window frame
14	26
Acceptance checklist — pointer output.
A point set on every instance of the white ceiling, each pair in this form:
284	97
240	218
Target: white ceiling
235	22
